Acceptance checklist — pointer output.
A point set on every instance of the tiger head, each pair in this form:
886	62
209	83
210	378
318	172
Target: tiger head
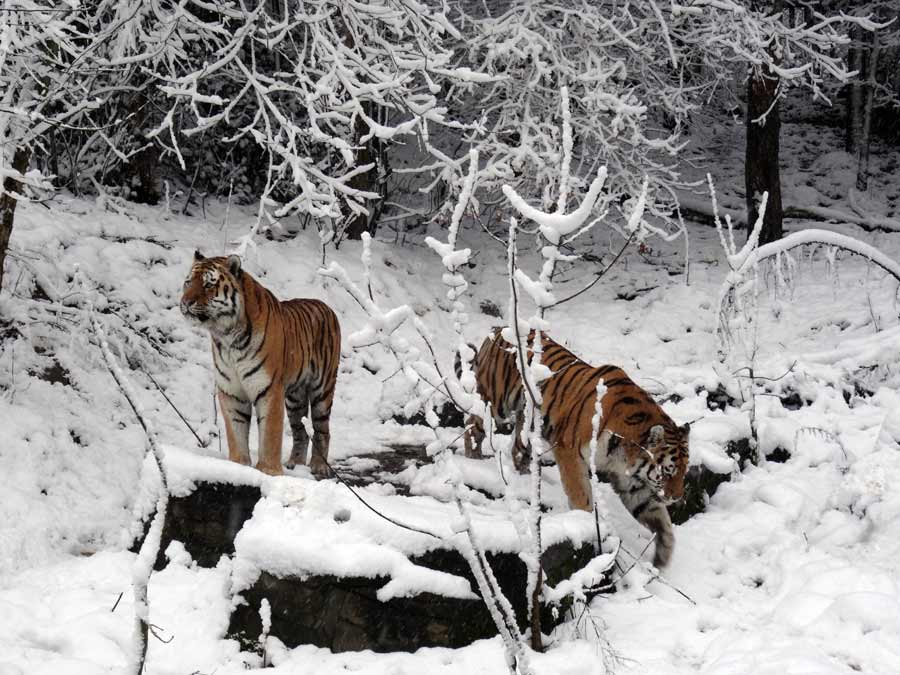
212	293
669	450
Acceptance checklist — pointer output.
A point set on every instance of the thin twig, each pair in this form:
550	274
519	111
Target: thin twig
753	376
177	411
600	274
153	631
376	511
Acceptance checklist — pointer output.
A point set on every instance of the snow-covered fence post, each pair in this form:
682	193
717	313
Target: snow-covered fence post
146	558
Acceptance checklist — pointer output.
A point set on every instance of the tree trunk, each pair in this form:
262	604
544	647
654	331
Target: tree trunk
761	172
365	154
855	61
870	57
8	204
141	171
362	181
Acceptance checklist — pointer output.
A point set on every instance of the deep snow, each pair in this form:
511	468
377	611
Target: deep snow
793	568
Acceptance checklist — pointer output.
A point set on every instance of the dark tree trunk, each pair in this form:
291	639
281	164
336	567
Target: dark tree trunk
367	152
855	61
8	204
362	222
761	172
870	57
141	173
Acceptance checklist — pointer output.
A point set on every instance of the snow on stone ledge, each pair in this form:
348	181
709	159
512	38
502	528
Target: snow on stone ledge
302	527
184	469
307	528
288	540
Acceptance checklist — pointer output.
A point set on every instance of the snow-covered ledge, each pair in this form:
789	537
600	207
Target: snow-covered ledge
337	575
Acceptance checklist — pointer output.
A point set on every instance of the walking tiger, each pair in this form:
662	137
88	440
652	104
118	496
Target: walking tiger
641	452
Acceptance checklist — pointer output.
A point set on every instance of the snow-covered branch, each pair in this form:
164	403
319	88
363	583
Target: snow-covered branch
146	558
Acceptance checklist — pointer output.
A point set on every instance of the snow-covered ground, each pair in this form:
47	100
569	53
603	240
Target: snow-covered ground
793	568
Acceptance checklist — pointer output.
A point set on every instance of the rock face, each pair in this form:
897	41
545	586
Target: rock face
345	615
206	521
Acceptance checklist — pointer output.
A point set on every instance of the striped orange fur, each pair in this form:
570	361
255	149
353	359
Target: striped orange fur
269	355
641	452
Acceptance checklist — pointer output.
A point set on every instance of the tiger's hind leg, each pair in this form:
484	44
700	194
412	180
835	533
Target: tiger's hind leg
296	401
320	403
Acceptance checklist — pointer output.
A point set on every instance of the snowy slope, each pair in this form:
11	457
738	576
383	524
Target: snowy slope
793	567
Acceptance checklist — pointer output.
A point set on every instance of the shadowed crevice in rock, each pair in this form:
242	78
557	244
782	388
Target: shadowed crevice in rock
205	521
700	484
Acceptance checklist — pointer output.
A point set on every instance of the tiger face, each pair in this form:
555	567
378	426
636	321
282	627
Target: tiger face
212	295
669	451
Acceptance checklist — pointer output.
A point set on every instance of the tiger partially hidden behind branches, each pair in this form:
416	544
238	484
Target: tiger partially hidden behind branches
268	355
641	452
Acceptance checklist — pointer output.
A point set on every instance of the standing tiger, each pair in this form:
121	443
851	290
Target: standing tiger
641	452
268	355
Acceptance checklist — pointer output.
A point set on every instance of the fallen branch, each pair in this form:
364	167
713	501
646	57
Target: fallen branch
143	566
823	238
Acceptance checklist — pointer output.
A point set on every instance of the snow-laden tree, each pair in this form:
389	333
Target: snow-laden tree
636	73
73	84
41	88
874	57
779	49
627	105
314	87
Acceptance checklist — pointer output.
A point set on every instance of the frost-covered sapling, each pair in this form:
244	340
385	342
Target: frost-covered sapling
553	226
737	318
382	328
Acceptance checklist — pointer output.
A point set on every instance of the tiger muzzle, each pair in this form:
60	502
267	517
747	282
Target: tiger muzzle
192	311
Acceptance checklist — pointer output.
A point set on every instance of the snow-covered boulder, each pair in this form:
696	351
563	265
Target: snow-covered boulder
336	574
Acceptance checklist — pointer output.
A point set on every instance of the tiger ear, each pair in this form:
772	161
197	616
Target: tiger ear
234	265
198	256
656	434
685	428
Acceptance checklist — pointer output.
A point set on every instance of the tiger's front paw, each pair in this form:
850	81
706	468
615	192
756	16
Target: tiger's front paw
270	469
319	467
240	457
